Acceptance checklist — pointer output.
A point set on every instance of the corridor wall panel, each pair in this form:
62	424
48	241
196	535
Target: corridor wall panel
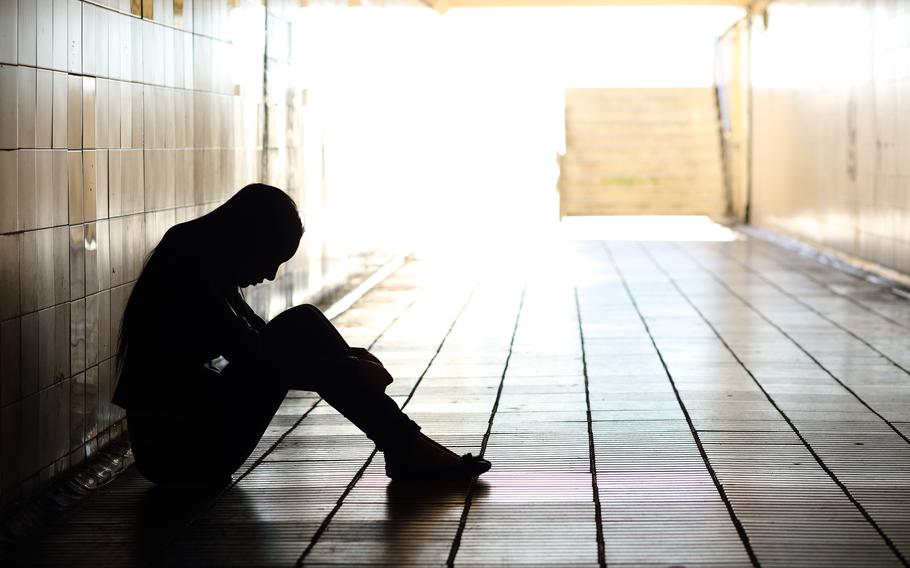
831	123
119	119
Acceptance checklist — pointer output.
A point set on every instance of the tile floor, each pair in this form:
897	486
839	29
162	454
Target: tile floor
643	403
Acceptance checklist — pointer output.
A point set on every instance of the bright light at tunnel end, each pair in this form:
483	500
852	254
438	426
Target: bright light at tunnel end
675	228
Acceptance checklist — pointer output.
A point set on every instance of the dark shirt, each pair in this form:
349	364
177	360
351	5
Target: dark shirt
177	320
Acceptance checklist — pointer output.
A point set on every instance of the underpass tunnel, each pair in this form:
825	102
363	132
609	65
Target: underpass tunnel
629	250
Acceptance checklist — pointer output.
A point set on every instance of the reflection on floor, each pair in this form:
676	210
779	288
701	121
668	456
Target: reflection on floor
643	403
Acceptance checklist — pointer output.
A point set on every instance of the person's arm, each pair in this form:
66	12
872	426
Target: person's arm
218	327
364	355
242	308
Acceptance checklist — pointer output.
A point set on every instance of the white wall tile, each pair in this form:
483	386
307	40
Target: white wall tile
28	368
9	293
114	101
61	266
59	112
74	112
9	107
44	188
45	33
89	32
74	36
74	185
102	67
101	184
101	113
9	191
136	72
60	35
44	108
113	46
27	101
28	190
89	186
126	115
91	287
137	108
44	282
60	164
47	331
28	32
9	37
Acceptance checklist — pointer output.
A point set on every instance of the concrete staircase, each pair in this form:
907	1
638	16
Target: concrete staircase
641	151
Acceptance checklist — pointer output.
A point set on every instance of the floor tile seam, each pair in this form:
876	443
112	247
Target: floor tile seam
780	330
822	315
265	454
595	487
462	523
775	258
324	525
862	510
737	524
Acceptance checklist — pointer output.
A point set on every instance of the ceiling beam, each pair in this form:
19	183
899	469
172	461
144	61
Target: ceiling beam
443	5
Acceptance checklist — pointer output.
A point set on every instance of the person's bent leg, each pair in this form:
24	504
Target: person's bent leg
247	402
311	354
303	334
375	413
352	386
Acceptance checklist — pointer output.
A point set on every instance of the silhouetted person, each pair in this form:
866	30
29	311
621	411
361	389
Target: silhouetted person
190	422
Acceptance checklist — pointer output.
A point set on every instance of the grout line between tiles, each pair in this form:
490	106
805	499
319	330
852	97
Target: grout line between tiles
744	537
462	523
820	314
359	474
797	344
774	257
598	513
866	271
773	403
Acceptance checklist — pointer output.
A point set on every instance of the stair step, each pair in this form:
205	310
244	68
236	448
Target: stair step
654	151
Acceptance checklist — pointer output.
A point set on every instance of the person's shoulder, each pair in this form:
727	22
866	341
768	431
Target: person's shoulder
181	242
178	234
177	255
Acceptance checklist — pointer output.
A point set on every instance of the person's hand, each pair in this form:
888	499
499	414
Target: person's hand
372	374
365	355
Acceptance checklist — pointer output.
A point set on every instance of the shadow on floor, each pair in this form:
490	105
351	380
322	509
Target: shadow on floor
127	524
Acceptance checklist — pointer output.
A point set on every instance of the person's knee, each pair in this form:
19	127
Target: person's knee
304	332
311	309
308	314
293	322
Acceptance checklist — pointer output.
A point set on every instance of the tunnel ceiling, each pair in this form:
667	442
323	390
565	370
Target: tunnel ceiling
443	5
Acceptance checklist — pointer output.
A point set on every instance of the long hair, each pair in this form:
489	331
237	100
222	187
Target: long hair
257	215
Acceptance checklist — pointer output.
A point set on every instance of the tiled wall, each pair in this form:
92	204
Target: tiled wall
117	120
831	123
